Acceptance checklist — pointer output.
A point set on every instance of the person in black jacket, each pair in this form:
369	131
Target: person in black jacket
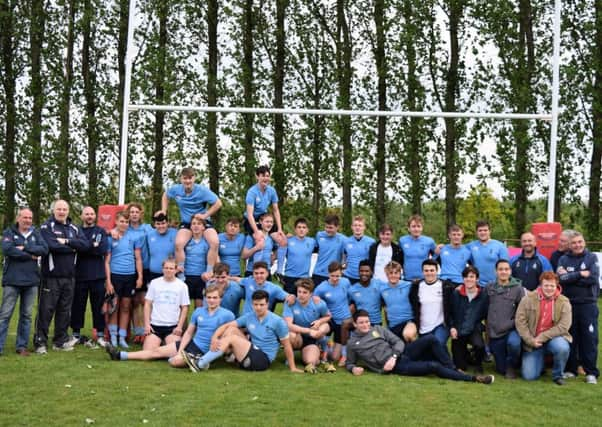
22	245
64	239
90	277
383	252
431	303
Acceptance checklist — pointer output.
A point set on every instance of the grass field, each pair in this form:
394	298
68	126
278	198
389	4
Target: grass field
84	387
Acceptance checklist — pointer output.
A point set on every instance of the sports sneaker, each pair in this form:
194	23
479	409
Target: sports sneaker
190	360
22	352
342	361
113	352
230	358
568	375
63	347
560	381
100	341
484	379
41	350
329	368
310	369
591	379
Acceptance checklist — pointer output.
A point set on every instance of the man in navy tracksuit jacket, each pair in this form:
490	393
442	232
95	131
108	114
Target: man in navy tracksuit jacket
528	266
64	239
90	277
579	272
22	245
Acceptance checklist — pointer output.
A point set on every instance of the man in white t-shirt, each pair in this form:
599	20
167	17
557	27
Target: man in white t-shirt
383	252
165	308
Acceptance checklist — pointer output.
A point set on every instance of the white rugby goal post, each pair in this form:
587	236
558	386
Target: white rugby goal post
553	116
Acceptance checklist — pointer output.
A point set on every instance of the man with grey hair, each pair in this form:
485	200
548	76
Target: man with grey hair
22	245
64	239
564	243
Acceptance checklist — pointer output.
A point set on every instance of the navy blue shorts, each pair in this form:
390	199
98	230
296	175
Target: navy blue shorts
186	225
336	330
255	360
308	340
398	329
146	278
191	348
162	331
124	284
196	286
249	230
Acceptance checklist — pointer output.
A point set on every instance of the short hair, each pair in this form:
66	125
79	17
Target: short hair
501	261
169	260
415	218
392	266
454	227
262	170
213	287
576	234
385	227
549	275
159	217
332	219
569	233
136	205
260	264
198	218
220	268
233	220
305	283
259	295
265	215
482	223
123	214
360	313
187	172
359	218
430	262
334	266
365	262
300	220
470	269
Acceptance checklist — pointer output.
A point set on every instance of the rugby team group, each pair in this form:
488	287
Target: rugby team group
360	304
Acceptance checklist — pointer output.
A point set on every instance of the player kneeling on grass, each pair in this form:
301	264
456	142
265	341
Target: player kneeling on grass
307	322
381	351
195	341
266	330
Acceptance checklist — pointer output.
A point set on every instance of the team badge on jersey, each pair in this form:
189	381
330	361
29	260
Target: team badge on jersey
375	334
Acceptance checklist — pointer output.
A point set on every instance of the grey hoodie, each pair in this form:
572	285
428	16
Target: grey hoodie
373	348
503	301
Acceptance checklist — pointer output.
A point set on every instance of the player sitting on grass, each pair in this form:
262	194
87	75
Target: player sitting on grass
307	322
383	352
266	331
195	341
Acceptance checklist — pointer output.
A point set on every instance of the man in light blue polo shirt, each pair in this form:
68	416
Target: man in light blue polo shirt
356	248
416	248
298	255
486	252
329	244
259	282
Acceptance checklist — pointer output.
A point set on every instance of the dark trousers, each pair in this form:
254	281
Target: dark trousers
460	349
55	300
427	356
96	290
584	331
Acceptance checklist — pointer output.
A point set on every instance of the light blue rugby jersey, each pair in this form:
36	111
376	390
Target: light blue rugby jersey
193	203
266	333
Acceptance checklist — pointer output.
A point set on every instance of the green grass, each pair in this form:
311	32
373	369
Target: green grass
66	388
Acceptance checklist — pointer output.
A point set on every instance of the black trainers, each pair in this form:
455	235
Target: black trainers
484	379
560	381
113	352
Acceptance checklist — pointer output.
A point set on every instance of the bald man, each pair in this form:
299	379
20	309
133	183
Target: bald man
528	266
90	277
64	239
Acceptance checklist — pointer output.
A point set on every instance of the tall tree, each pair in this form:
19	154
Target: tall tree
212	63
596	162
89	82
65	104
36	92
9	81
248	90
380	56
279	72
122	41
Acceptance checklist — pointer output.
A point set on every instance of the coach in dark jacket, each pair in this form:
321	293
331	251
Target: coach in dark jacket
22	245
64	239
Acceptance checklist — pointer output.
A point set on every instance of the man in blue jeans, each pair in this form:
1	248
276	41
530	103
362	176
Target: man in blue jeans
383	352
22	245
543	319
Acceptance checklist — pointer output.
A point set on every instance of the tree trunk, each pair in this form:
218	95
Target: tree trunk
279	172
247	77
7	44
451	92
65	105
36	91
344	74
89	80
595	169
121	52
381	140
212	53
162	12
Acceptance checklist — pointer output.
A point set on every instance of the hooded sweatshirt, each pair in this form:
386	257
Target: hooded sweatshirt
503	301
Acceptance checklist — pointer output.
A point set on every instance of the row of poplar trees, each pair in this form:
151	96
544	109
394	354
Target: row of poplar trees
63	73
